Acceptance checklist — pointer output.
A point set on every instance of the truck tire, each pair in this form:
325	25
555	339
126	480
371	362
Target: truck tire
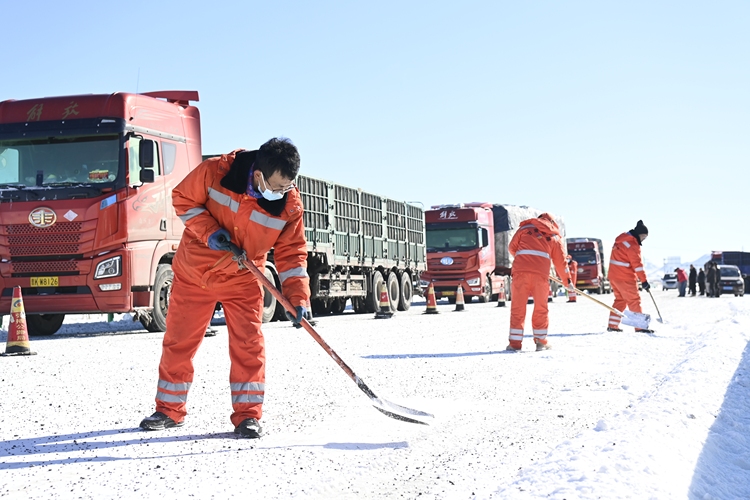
157	322
406	293
320	307
391	284
269	301
358	304
486	295
338	305
372	301
43	325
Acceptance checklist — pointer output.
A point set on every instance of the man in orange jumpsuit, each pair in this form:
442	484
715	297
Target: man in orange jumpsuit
625	270
535	246
248	198
573	271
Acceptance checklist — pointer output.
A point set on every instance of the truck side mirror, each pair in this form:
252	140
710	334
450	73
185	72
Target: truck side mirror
146	175
485	237
146	154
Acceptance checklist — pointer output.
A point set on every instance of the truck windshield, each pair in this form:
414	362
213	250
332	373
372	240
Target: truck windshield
56	161
459	238
584	258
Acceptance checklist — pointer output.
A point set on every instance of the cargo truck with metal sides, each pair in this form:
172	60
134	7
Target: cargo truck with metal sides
589	254
467	245
87	223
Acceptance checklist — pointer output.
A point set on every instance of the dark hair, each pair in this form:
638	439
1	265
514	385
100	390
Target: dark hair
278	155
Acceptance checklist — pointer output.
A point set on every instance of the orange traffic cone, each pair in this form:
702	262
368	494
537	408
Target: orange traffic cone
431	302
18	335
501	294
459	299
385	304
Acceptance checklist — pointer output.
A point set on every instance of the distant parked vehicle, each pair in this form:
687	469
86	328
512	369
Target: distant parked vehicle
669	281
731	280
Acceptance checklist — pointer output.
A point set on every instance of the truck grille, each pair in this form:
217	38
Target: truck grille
60	239
43	268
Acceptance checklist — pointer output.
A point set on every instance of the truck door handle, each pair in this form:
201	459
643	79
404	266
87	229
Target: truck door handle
163	225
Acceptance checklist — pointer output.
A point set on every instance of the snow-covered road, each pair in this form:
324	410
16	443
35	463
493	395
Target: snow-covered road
601	415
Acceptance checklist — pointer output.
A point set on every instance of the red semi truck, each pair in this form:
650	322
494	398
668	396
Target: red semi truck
589	254
467	245
86	218
87	223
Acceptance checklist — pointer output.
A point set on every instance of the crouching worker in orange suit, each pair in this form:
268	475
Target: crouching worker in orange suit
625	270
535	246
248	198
573	272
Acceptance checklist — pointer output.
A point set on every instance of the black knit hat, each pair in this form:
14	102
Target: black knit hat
640	228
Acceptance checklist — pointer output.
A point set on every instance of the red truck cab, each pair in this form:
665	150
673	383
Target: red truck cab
86	217
460	251
589	254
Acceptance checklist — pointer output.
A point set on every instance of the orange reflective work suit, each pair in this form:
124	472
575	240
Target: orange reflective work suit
535	246
625	269
573	271
211	197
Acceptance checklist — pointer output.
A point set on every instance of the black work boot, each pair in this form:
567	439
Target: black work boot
614	329
159	421
249	428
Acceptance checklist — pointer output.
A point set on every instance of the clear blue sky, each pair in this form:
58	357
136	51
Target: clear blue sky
602	112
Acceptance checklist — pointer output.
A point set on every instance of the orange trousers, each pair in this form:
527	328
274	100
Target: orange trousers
191	308
524	285
626	295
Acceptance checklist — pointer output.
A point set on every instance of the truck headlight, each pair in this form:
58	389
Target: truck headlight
473	281
109	268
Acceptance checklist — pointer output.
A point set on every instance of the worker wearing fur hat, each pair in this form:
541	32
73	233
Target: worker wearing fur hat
625	270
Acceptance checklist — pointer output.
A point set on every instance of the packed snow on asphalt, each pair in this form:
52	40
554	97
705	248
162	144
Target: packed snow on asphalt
601	415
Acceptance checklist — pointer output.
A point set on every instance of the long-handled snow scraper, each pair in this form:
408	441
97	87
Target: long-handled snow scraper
660	320
630	318
390	409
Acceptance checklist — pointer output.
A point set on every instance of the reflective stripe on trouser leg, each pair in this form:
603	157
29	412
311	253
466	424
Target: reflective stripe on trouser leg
540	336
243	310
190	311
519	291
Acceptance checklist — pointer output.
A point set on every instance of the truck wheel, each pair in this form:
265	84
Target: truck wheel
486	293
269	301
338	305
407	292
162	291
372	301
393	291
320	307
358	304
43	325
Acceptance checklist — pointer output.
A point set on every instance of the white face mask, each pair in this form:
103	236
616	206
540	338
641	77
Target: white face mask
267	193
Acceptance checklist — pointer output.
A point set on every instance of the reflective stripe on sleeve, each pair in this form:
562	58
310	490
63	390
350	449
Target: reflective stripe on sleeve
527	226
191	213
627	245
224	199
291	273
533	252
638	269
265	220
618	263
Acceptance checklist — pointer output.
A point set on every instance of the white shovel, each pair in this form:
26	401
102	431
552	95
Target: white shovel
630	318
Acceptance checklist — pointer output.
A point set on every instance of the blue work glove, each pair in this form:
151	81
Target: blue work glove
219	240
645	285
302	312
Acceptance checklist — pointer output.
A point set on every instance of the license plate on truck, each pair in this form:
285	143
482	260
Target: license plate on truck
45	281
447	294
